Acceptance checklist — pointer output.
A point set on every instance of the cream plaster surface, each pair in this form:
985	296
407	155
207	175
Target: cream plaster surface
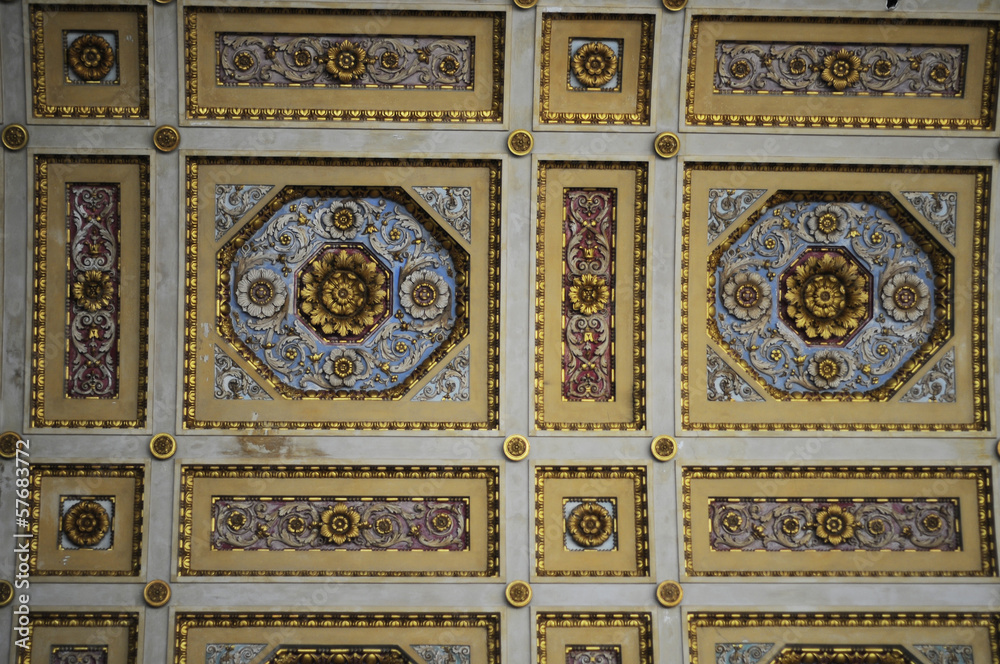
517	344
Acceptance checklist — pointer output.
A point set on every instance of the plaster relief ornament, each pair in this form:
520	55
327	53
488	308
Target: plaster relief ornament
589	294
834	525
829	296
590	524
90	57
339	524
841	69
346	60
86	523
332	295
93	290
594	64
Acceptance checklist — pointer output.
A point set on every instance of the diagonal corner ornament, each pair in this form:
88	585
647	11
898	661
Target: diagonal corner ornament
724	384
454	204
952	654
726	206
232	201
939	208
450	654
232	653
232	382
741	653
451	383
937	385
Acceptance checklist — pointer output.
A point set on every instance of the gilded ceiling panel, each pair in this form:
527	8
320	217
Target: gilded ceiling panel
844	298
344	65
252	521
595	638
89	62
78	637
789	521
590	288
839	638
369	638
788	71
596	69
341	293
591	521
91	283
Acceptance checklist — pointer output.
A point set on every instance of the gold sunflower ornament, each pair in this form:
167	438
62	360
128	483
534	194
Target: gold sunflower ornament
90	57
827	296
589	524
346	60
92	290
834	525
86	523
341	292
841	69
589	294
339	524
595	64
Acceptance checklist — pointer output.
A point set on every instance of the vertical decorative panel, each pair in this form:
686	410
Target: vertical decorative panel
91	309
590	256
837	300
89	62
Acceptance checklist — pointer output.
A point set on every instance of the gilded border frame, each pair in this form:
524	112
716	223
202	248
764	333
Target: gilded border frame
644	92
89	618
986	121
192	111
185	620
638	422
984	490
641	621
188	364
979	296
40	107
40	235
189	473
640	484
135	471
696	619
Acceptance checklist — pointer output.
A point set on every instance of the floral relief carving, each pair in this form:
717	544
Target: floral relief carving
741	653
90	57
232	382
92	354
590	524
449	384
86	523
726	206
947	654
283	60
444	654
327	524
724	384
82	654
341	295
233	201
454	204
939	208
938	384
593	655
820	294
593	65
232	653
850	525
810	68
588	292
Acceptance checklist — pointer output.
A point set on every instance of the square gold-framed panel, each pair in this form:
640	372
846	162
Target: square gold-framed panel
835	72
838	297
591	521
245	522
828	521
595	69
341	293
329	65
88	520
387	636
868	636
90	326
95	635
580	638
89	62
590	296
